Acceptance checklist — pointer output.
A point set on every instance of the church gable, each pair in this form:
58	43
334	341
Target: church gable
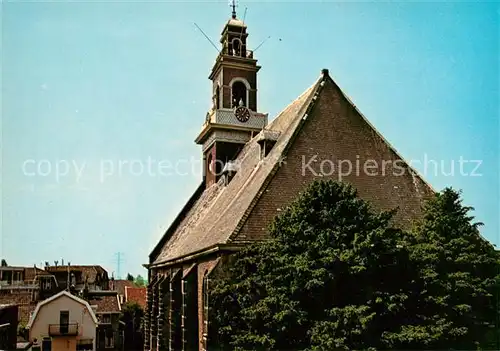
320	134
335	141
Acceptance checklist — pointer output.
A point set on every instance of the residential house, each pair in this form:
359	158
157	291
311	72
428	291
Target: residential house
31	279
252	170
74	277
128	292
63	322
8	327
107	307
25	287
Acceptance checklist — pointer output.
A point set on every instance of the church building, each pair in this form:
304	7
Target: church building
254	168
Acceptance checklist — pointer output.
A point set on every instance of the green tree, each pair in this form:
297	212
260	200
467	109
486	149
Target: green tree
336	275
332	276
132	315
130	277
139	281
455	298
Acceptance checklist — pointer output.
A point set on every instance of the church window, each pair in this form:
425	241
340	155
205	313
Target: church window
239	94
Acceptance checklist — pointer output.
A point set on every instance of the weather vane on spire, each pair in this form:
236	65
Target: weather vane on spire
232	3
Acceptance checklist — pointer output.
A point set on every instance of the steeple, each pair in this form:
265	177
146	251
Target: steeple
233	118
233	5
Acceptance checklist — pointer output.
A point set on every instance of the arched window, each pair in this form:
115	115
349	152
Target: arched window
239	94
237	46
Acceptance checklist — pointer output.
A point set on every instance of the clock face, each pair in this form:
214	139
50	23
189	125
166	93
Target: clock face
242	113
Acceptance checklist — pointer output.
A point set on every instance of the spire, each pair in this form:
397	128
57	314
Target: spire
233	5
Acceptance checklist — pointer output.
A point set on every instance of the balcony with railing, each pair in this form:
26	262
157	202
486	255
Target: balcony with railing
63	329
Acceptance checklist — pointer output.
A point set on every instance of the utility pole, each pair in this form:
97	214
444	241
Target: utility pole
119	260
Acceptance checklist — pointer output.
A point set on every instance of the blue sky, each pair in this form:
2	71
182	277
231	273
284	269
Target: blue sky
89	85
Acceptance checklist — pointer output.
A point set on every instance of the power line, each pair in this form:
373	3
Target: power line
119	259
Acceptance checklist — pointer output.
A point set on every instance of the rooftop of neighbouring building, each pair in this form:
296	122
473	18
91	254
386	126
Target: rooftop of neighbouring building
104	301
136	294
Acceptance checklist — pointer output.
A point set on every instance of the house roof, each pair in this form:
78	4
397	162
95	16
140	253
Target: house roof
138	295
119	285
216	215
55	297
105	302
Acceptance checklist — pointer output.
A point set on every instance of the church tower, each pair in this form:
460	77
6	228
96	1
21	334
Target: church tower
233	118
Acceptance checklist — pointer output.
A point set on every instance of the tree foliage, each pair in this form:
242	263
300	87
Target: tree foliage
455	295
336	275
132	315
130	277
139	281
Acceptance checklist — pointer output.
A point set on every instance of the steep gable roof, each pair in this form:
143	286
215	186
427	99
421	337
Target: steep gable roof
221	210
55	297
177	221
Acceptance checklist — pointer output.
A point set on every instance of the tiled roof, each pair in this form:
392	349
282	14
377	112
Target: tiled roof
138	295
216	215
105	302
119	285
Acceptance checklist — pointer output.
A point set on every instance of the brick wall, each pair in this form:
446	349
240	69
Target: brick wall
335	131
